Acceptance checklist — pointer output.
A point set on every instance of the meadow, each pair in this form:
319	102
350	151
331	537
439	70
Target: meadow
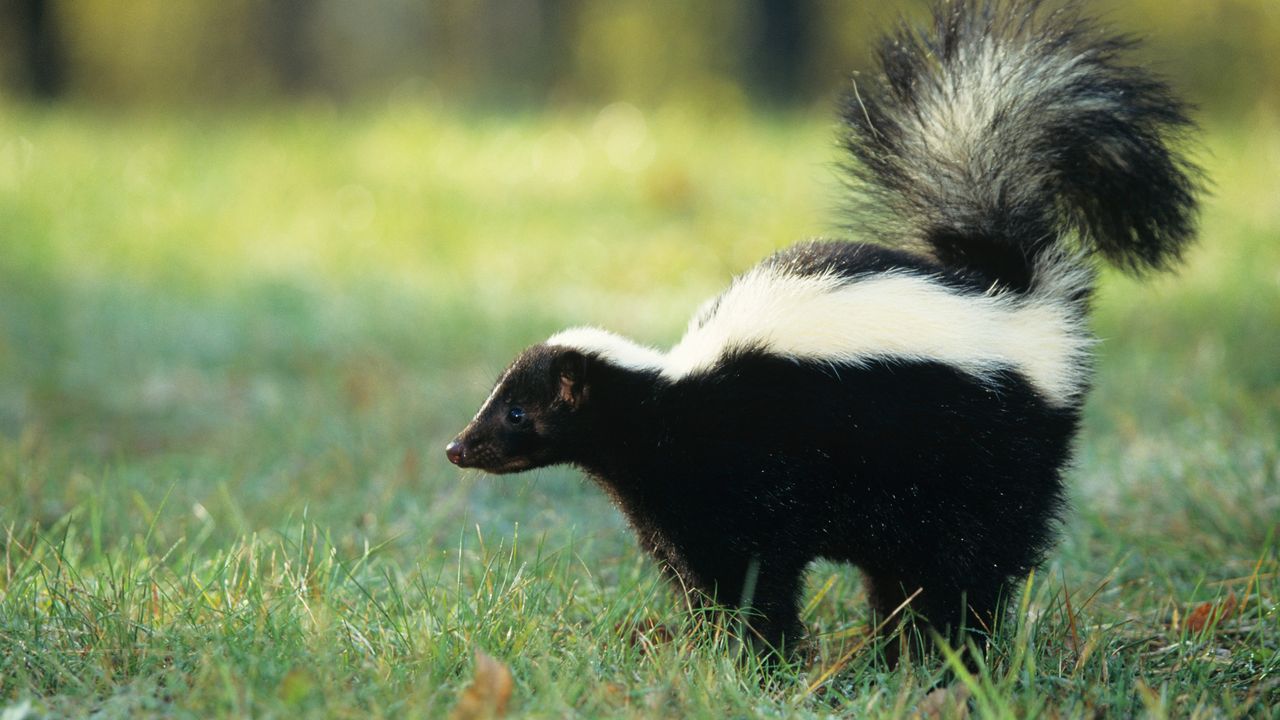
233	346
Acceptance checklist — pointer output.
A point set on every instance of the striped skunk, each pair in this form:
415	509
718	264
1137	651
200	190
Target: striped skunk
905	403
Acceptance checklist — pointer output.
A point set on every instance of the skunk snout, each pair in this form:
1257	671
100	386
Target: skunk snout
456	452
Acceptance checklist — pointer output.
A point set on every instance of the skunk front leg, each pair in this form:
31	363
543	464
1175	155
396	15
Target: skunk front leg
767	593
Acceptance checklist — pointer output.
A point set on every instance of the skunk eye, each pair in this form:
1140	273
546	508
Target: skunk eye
515	415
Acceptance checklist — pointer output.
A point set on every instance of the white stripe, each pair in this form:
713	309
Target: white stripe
484	406
614	348
891	316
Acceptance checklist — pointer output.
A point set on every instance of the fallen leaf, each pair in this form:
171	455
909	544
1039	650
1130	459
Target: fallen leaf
946	703
645	634
489	692
615	693
1210	614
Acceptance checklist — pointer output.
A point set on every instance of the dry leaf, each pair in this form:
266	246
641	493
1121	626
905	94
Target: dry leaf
1207	614
489	692
616	694
947	703
646	634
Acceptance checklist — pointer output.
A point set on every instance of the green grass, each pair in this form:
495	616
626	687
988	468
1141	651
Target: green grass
232	348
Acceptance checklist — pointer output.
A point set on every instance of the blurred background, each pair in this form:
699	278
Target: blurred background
267	255
277	250
538	53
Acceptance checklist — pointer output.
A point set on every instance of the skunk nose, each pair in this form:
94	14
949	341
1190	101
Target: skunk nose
455	452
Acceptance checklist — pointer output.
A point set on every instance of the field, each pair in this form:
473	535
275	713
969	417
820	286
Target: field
233	347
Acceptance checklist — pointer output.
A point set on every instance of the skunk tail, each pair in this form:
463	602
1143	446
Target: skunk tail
1007	136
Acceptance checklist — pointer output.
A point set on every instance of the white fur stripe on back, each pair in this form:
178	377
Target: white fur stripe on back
892	316
614	348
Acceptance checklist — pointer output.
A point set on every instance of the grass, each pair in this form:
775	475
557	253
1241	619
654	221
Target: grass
231	349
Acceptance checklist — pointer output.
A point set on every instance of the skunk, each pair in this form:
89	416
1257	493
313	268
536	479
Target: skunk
905	403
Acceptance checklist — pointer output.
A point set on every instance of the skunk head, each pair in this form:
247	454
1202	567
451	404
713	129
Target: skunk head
530	418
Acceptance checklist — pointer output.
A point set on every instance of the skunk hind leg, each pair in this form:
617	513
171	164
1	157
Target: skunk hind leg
958	616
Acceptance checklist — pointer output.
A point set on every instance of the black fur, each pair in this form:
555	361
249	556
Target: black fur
921	474
854	260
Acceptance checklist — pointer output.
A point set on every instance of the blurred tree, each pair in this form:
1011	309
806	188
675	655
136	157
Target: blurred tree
42	64
560	20
779	48
285	42
503	50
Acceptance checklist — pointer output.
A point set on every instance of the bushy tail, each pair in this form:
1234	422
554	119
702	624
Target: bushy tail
1010	130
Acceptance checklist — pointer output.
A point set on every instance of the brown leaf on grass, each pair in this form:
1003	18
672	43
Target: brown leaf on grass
945	703
489	692
1210	614
616	694
645	634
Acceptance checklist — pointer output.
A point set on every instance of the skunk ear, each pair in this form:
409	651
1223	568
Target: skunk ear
569	371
